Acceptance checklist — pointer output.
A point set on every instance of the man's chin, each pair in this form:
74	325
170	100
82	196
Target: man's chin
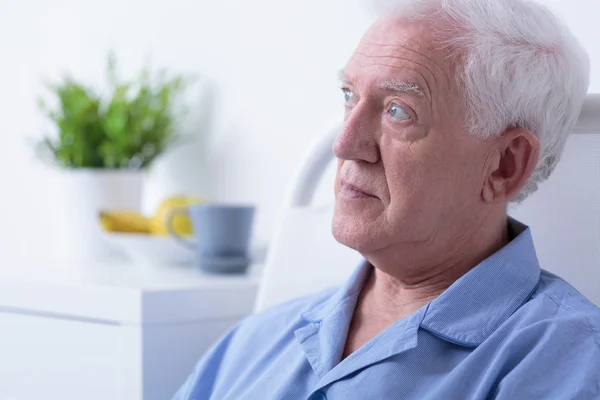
353	232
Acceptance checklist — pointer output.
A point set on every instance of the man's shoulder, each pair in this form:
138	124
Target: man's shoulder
556	302
550	345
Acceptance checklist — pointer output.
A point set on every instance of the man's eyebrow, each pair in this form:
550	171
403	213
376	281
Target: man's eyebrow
407	87
402	87
342	77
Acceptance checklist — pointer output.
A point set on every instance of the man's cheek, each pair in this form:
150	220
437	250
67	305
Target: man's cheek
337	184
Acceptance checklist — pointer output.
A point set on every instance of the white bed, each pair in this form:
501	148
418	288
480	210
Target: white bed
564	216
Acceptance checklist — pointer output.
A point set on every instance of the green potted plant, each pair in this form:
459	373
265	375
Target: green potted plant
102	147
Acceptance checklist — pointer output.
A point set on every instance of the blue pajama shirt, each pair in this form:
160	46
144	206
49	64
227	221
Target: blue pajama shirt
506	330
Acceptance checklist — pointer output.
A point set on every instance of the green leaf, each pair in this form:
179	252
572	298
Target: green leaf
130	130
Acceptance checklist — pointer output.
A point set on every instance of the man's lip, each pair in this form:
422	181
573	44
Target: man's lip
356	189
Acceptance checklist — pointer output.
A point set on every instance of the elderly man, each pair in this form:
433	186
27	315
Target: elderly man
454	108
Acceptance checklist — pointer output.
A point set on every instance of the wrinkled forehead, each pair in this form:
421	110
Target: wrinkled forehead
397	50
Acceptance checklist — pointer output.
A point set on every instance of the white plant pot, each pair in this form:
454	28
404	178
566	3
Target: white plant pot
80	196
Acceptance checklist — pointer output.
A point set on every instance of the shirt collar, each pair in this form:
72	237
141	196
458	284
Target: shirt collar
481	300
348	291
476	304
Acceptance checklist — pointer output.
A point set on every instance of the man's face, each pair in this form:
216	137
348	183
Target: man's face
408	172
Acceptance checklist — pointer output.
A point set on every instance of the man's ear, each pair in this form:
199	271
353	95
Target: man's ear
518	151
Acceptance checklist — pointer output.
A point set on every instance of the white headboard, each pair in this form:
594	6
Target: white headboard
564	216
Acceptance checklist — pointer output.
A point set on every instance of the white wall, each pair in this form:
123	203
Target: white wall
274	64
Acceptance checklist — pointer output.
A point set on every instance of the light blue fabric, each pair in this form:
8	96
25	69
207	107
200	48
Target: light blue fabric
506	330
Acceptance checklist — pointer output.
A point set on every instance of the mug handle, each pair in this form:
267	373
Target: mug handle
190	244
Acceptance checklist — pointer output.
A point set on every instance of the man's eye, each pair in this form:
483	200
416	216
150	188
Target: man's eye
348	96
398	113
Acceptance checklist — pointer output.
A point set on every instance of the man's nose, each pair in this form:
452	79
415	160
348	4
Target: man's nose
357	140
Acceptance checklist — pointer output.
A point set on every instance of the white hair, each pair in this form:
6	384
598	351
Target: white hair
518	66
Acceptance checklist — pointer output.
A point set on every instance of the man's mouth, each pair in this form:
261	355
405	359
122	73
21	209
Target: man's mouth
351	191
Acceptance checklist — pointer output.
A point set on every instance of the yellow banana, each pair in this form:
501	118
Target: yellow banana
124	221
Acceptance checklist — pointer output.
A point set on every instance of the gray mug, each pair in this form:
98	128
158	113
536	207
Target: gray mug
221	237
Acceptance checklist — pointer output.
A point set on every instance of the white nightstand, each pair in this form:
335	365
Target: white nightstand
111	332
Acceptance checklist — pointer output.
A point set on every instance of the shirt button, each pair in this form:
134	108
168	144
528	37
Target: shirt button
319	396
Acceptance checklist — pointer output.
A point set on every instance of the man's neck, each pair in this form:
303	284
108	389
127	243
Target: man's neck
391	294
397	290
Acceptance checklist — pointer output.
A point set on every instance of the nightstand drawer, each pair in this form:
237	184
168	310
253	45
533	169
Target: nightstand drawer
110	334
51	358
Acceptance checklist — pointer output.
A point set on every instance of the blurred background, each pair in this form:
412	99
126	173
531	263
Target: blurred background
265	85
